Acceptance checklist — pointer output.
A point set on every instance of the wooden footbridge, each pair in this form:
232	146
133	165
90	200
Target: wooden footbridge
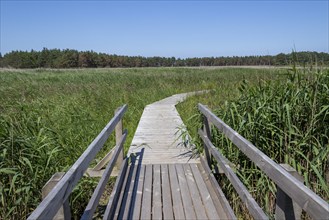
160	178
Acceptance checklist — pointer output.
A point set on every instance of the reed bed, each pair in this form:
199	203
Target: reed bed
49	117
287	118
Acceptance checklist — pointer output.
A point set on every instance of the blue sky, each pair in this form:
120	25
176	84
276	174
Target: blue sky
166	28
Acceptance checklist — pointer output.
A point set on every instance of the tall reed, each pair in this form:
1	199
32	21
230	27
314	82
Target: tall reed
288	120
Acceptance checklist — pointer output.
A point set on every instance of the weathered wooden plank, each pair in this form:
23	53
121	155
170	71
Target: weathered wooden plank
243	192
176	193
139	193
195	195
220	211
220	195
113	201
124	190
105	160
186	196
93	202
50	205
166	194
64	212
285	207
126	203
118	135
147	193
314	205
156	196
204	193
207	130
158	131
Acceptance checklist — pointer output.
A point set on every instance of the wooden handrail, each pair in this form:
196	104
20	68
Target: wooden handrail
61	192
93	202
243	192
313	204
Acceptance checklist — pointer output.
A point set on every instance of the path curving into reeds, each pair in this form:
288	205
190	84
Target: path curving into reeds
159	133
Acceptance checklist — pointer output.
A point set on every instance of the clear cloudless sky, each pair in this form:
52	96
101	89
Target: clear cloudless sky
166	28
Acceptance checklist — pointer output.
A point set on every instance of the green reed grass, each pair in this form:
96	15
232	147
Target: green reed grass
49	117
286	118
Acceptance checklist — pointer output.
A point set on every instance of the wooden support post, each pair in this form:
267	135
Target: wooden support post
285	207
207	131
64	212
118	136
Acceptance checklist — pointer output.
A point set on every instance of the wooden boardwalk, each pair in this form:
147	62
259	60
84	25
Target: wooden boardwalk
164	191
158	133
159	180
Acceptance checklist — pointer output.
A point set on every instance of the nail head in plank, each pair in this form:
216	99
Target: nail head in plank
205	195
225	204
186	196
196	198
175	193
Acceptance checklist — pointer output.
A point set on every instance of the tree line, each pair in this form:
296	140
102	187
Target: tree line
68	58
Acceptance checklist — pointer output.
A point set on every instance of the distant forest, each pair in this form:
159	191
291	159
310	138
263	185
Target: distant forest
56	58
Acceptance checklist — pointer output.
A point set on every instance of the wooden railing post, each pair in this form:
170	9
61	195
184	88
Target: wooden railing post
207	131
64	212
118	136
286	208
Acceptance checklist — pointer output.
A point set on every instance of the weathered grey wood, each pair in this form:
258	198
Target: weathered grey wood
100	165
90	172
118	135
125	211
156	196
64	212
204	193
93	202
285	207
122	193
54	200
221	212
166	194
158	132
193	188
186	196
138	200
314	205
147	193
221	196
113	201
207	131
243	192
176	193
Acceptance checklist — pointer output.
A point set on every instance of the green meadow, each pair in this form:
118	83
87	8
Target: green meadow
49	117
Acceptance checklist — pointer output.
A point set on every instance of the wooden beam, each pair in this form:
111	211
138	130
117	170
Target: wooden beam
156	193
111	205
285	207
93	202
137	203
146	210
166	193
314	205
243	192
118	135
105	160
64	212
55	199
221	196
207	131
